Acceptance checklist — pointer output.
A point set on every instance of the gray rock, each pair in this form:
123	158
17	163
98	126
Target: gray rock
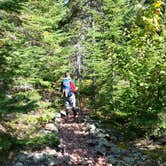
19	164
51	127
57	122
143	157
52	161
92	129
125	152
109	131
50	152
151	163
44	132
83	163
97	125
87	119
104	142
137	155
113	138
120	138
101	135
61	114
58	115
38	157
140	163
23	87
92	142
122	163
111	159
115	150
100	149
128	160
21	157
9	96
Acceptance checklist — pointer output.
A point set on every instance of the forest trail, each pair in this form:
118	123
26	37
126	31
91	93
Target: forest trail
74	142
84	142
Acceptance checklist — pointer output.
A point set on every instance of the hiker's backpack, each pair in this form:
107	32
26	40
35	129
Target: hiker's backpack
72	86
68	87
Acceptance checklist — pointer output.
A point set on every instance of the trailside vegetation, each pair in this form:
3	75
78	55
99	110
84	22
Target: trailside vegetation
120	50
33	57
126	65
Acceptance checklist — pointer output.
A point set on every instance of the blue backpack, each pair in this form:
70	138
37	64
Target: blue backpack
66	87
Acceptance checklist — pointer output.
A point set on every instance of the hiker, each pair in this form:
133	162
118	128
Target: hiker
68	90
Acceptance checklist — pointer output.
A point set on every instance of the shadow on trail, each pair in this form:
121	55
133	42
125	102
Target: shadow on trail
75	146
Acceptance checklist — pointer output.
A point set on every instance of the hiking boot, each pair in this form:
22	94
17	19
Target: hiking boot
67	114
74	112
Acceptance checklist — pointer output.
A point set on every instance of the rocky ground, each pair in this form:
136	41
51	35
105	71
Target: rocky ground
84	142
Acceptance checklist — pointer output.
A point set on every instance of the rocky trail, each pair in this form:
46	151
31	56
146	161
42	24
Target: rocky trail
84	142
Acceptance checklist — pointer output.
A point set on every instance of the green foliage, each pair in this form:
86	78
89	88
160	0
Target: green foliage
20	102
7	142
126	63
32	44
156	154
41	140
11	5
33	55
28	129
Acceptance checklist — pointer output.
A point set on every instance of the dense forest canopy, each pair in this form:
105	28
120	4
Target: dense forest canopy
114	48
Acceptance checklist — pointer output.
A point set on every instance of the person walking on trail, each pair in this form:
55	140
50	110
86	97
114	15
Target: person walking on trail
68	90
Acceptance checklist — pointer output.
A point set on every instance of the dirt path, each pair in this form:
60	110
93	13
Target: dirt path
73	134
